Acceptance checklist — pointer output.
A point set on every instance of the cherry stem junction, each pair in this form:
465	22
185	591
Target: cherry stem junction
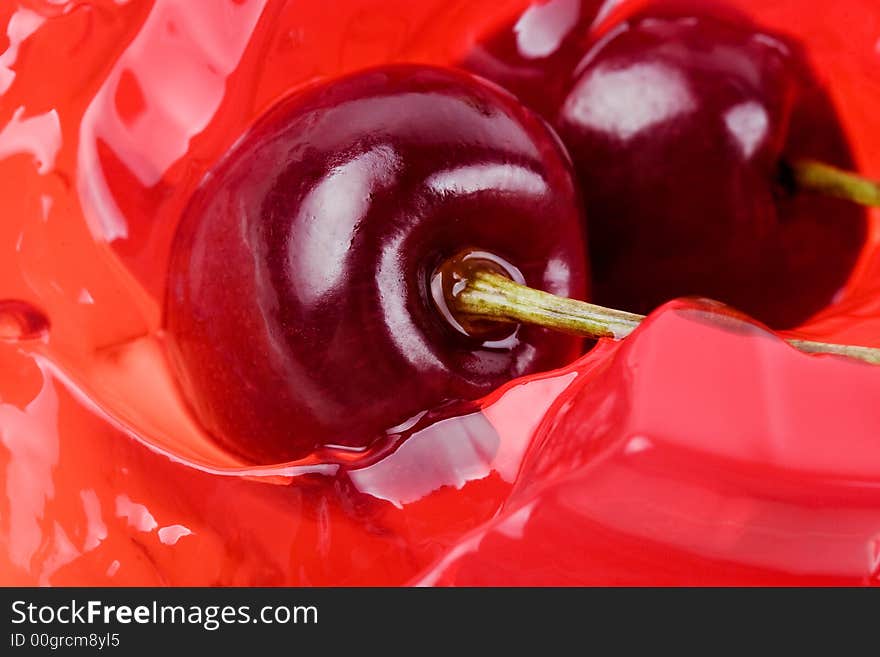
821	178
489	296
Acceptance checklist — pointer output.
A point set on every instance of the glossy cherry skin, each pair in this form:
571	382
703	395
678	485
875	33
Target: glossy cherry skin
534	56
298	303
679	128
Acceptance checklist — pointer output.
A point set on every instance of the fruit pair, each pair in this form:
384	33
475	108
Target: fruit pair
356	258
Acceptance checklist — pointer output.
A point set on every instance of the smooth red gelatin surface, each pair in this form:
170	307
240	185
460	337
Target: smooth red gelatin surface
701	450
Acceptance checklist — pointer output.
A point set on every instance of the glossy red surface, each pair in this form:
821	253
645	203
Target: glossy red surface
684	190
535	55
299	311
701	450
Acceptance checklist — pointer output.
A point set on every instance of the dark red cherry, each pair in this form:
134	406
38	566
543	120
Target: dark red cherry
299	304
679	128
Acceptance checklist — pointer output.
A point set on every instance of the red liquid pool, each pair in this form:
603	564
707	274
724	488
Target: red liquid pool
702	450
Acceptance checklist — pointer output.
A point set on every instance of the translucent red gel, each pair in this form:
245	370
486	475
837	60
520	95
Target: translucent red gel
702	450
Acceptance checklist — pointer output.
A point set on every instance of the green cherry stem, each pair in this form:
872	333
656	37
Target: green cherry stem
821	178
484	295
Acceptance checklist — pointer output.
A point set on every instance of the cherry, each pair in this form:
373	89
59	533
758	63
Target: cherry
680	128
300	310
477	294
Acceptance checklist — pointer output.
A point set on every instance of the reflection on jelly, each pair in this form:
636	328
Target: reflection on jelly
22	24
180	61
38	135
30	485
653	472
448	453
20	320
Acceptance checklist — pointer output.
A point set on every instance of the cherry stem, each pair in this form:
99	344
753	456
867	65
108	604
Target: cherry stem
487	295
829	180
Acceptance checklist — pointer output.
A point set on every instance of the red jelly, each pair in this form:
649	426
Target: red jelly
701	450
